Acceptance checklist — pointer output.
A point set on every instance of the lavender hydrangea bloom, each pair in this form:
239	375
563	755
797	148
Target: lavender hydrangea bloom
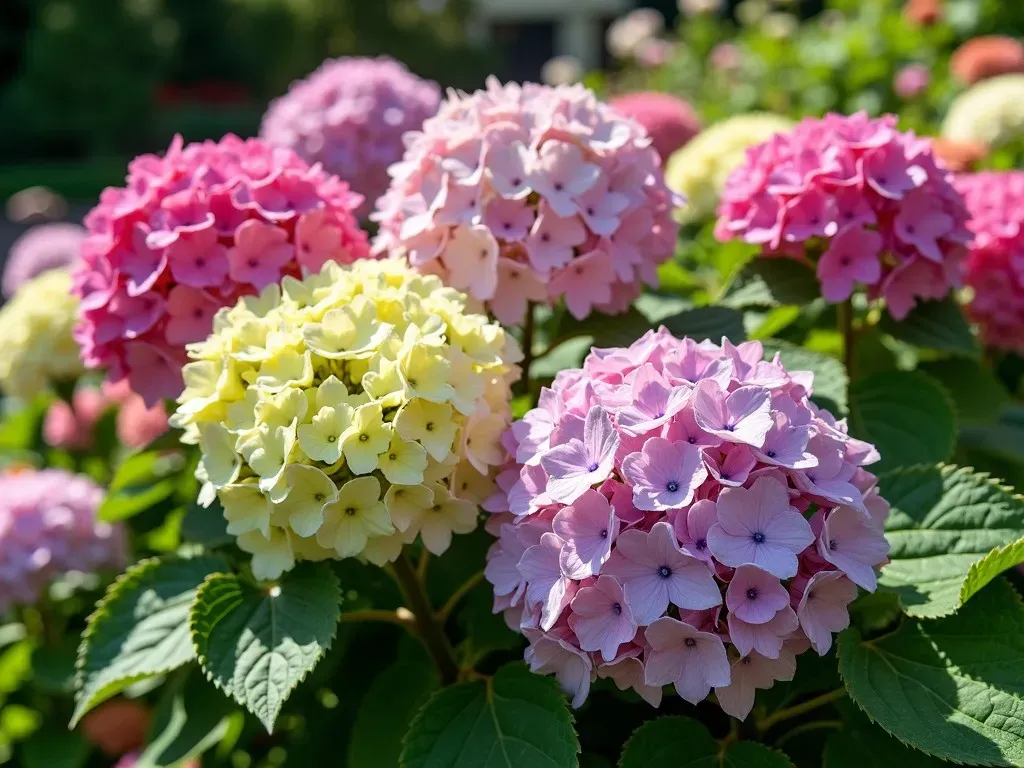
48	246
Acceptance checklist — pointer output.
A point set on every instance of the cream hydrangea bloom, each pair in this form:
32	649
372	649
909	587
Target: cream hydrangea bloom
35	335
345	414
991	112
699	169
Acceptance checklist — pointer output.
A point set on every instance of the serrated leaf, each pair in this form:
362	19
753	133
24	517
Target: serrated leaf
514	720
191	719
951	687
830	379
707	323
945	523
977	392
256	643
140	627
772	282
681	742
906	415
750	754
388	707
938	325
862	744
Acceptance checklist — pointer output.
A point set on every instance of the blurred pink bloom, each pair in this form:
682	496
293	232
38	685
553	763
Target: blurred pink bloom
911	81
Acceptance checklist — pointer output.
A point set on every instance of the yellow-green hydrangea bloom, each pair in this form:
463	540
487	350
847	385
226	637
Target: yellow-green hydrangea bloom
700	168
345	414
991	112
35	335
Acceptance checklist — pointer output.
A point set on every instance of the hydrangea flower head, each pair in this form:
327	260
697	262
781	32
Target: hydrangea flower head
698	171
715	520
995	264
48	527
981	58
989	113
866	203
519	194
668	120
348	413
350	115
36	336
189	233
41	248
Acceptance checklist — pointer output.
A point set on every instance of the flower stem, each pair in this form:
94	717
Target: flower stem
844	312
817	725
400	617
798	709
427	625
458	594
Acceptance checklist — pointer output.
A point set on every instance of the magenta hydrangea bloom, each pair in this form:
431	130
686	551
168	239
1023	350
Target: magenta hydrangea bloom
191	232
668	120
41	248
48	527
681	513
865	203
530	193
350	116
995	263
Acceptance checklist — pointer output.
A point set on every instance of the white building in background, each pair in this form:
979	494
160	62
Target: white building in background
578	25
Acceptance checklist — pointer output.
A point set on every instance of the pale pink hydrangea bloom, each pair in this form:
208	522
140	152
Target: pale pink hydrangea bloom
995	263
668	120
681	513
911	81
191	232
350	115
865	203
528	193
41	248
48	527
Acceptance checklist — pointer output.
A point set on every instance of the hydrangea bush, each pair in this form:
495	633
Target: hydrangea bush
519	194
190	232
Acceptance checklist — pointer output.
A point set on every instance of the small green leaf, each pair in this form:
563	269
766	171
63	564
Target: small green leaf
257	642
680	742
388	707
707	323
906	415
514	720
938	325
950	687
140	627
191	719
830	379
948	531
771	282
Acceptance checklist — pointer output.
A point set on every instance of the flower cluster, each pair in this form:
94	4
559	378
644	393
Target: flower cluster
995	263
866	203
350	115
529	193
42	248
989	113
190	233
681	513
345	414
699	170
981	58
73	424
668	120
911	81
35	335
48	527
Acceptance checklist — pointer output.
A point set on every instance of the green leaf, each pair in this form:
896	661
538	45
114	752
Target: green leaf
681	742
135	500
862	744
54	747
1003	439
206	525
142	481
140	627
514	720
257	642
938	325
190	720
772	282
977	392
830	379
906	415
948	531
707	323
53	667
388	707
950	687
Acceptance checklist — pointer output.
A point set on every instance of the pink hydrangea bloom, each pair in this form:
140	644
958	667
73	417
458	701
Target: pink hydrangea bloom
681	513
911	81
528	193
350	115
867	204
995	264
48	527
191	232
71	425
41	248
668	120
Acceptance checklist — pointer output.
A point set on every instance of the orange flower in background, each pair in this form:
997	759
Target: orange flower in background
117	727
923	13
959	156
983	57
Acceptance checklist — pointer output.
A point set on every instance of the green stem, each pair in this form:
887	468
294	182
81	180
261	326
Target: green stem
458	594
427	625
844	312
391	617
803	728
528	328
798	709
